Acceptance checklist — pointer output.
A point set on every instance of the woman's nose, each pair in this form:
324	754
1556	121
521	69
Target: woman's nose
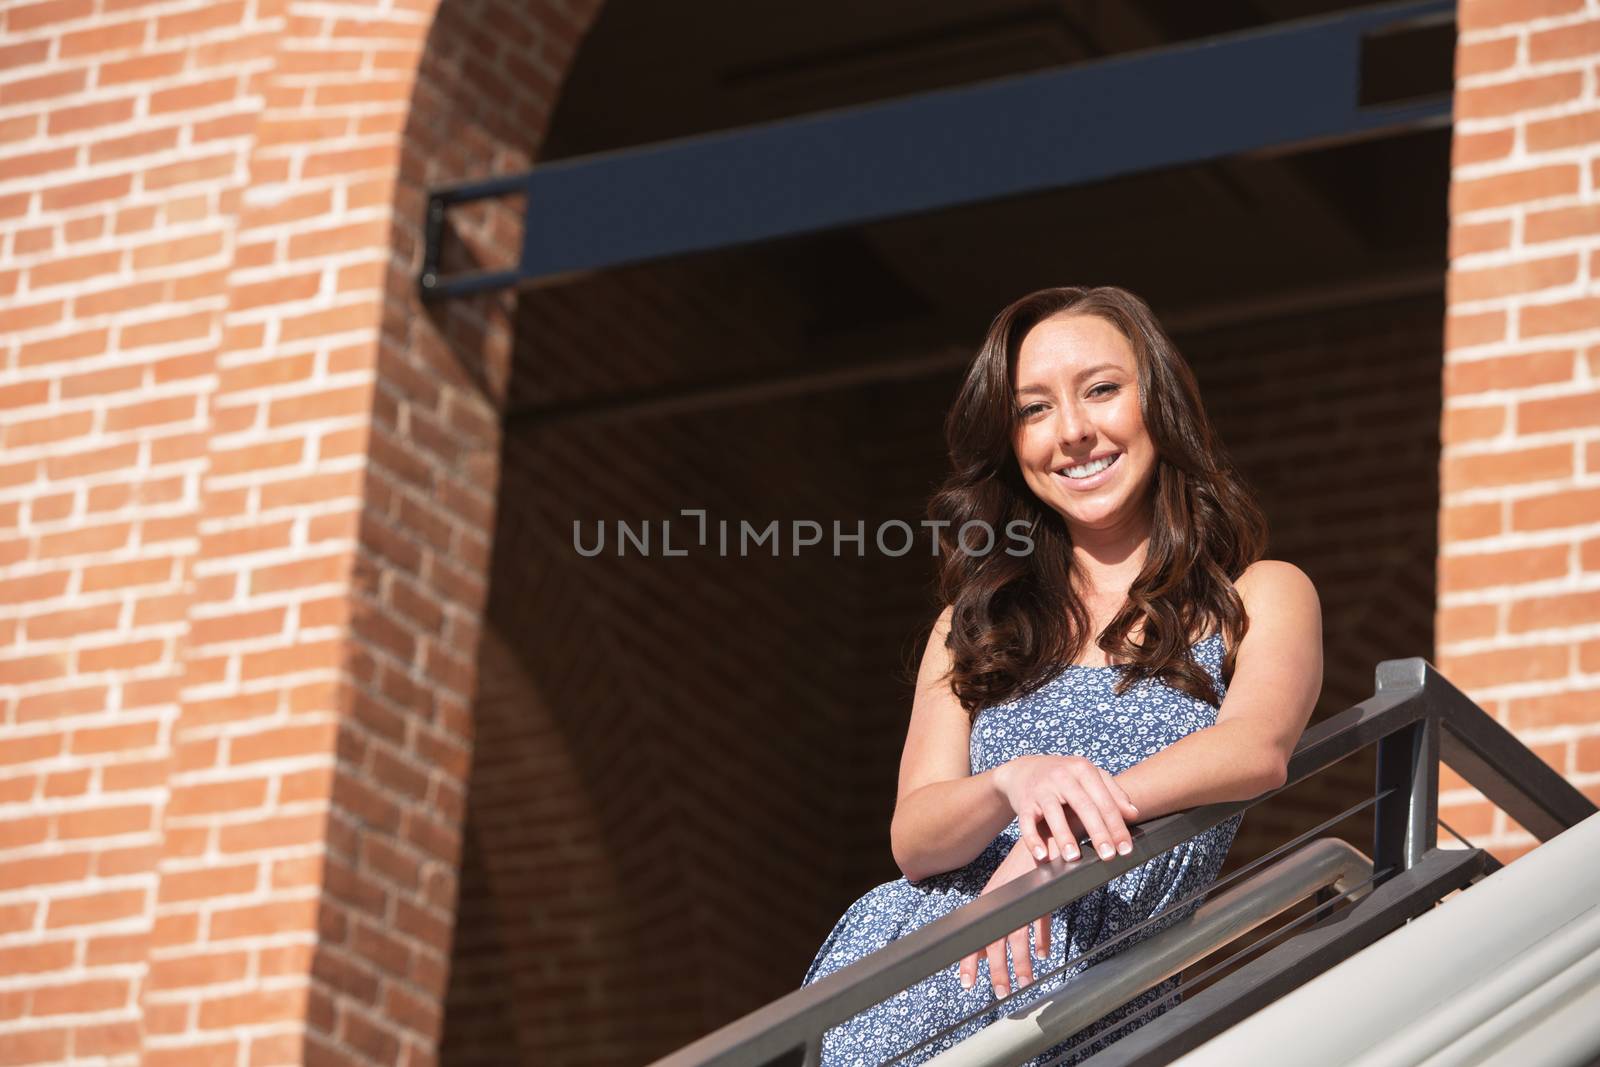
1072	425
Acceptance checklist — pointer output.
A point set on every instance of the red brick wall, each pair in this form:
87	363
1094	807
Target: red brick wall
1519	530
127	151
247	483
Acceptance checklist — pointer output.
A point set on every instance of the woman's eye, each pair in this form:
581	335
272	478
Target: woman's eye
1028	411
1104	385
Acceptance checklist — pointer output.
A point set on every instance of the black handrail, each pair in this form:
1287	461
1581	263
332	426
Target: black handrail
1415	717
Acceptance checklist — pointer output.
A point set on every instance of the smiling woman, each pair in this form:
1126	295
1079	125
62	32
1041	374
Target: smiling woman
1200	666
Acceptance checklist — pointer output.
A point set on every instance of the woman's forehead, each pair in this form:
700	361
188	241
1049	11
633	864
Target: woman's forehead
1072	345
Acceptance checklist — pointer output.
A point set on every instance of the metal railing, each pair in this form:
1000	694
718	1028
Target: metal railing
1325	865
1496	969
1416	717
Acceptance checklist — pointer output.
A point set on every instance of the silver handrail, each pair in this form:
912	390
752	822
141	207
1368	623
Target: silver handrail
1113	982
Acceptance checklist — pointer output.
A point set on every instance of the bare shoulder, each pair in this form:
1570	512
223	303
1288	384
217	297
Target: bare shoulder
1275	583
1278	595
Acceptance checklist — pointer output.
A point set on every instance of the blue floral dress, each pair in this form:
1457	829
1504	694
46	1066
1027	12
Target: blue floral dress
1076	712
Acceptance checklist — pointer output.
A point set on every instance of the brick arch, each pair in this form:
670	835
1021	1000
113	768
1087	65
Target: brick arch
307	871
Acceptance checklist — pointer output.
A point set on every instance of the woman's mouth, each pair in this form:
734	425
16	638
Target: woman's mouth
1088	475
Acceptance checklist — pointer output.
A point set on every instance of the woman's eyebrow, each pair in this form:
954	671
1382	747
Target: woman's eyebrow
1086	372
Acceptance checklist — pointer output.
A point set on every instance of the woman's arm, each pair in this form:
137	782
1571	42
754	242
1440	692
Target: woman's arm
944	814
1277	678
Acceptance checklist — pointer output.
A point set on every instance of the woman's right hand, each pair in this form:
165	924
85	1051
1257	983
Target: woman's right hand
1016	864
1057	788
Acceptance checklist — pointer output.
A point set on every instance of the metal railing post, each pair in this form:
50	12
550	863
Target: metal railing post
1405	823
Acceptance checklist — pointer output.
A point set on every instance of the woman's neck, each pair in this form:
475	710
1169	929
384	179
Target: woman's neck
1108	561
1108	582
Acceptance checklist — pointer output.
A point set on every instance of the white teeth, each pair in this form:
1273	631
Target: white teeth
1089	468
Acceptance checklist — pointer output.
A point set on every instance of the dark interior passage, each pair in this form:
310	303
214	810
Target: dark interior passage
685	766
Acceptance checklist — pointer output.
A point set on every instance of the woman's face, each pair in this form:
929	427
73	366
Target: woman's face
1077	388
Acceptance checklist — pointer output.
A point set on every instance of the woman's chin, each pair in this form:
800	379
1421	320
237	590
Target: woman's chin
1107	517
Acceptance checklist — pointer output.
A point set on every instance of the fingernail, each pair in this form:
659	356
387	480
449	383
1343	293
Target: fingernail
1125	848
1038	853
1073	854
1106	851
1000	992
966	981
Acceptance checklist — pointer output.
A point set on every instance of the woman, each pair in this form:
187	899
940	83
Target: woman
1141	659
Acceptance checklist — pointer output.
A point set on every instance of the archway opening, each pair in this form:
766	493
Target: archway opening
685	764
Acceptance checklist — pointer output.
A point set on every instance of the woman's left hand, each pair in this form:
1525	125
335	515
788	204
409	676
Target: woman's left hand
1016	864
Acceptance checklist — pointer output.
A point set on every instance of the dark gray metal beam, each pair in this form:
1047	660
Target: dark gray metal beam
1267	89
1509	774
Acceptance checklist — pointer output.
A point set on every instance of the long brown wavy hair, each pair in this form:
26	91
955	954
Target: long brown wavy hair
1017	620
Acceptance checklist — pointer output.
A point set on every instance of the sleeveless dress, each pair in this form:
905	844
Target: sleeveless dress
1076	712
